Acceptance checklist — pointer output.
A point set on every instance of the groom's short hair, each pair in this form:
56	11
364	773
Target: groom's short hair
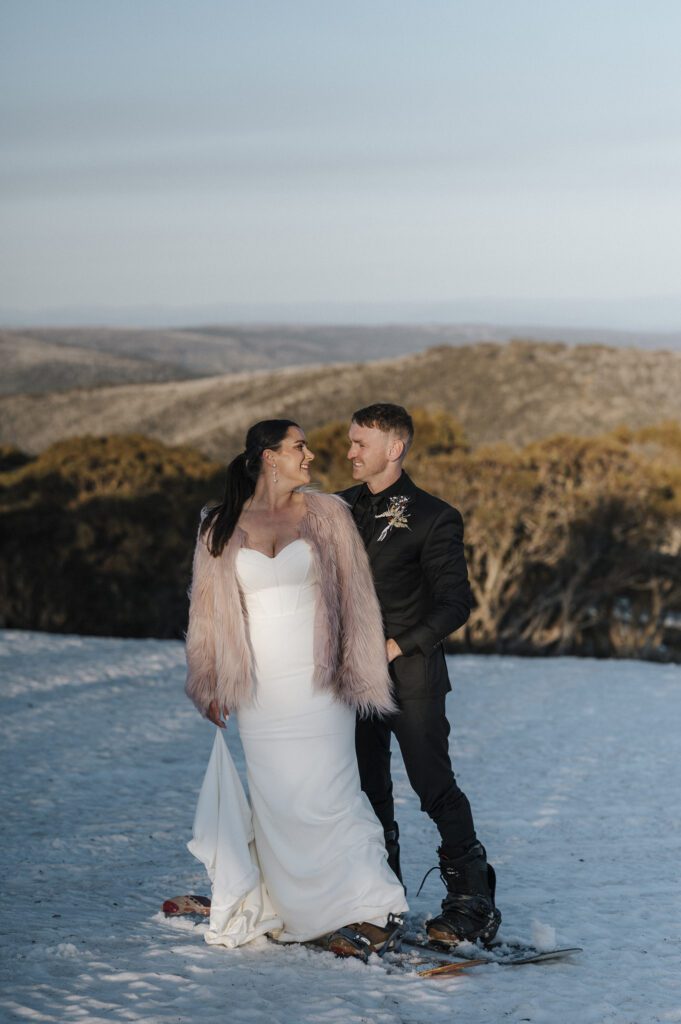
389	418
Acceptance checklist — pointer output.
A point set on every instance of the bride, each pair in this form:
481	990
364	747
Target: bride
285	632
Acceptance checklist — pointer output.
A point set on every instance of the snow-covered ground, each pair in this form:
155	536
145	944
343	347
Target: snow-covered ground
572	768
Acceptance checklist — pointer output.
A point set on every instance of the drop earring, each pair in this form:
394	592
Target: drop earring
275	475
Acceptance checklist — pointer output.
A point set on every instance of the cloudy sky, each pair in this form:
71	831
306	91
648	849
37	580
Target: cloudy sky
467	160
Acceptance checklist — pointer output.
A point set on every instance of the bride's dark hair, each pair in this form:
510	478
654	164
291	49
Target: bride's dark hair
242	474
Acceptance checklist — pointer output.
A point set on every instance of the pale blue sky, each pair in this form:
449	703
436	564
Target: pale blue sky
482	156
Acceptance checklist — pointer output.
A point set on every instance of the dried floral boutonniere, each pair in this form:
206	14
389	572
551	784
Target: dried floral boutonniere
396	515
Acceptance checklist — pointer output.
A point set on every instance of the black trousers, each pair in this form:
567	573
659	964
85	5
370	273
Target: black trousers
422	731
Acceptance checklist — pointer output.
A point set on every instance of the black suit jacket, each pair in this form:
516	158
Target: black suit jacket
421	580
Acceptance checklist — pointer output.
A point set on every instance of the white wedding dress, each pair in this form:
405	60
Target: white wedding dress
313	835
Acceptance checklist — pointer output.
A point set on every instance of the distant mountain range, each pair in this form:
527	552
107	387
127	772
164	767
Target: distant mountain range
44	359
515	392
633	312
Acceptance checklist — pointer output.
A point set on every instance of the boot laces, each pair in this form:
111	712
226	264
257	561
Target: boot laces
445	873
423	880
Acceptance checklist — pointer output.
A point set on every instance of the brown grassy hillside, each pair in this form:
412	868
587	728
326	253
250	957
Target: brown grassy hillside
37	365
518	393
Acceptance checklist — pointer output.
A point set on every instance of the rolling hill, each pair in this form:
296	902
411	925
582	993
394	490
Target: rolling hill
516	392
42	359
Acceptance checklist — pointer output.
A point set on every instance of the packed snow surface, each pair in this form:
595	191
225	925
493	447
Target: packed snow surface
572	768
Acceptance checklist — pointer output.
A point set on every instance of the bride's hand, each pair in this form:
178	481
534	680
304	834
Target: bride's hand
214	712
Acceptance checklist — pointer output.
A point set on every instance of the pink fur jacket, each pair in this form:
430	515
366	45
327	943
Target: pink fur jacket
349	647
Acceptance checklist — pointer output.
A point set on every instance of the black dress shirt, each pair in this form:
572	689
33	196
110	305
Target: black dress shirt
368	506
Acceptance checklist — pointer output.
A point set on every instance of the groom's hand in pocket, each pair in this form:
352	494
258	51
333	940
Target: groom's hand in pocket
214	714
392	649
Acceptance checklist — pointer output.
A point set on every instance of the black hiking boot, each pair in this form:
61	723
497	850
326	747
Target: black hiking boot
468	910
392	845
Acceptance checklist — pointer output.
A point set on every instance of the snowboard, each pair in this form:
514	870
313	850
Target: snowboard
470	954
414	956
396	960
411	953
191	905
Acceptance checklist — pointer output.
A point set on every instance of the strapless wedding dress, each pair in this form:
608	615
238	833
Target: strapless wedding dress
318	845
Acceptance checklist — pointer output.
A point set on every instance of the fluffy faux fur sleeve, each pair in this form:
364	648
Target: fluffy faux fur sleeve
363	673
201	683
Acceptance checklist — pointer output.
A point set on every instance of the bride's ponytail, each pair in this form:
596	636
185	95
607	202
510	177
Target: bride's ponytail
242	475
220	520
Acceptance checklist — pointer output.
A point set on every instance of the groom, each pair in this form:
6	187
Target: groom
415	546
